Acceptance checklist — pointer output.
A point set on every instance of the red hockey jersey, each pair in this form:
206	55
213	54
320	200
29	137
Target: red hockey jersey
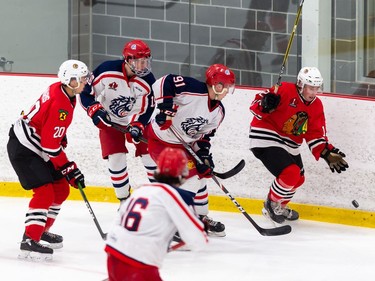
292	122
42	129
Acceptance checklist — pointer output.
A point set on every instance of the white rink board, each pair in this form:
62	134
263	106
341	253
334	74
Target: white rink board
350	125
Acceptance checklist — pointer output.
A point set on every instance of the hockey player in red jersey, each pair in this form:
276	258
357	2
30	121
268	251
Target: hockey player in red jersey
138	241
195	110
281	122
36	151
121	93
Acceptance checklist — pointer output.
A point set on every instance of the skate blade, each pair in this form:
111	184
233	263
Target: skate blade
216	234
53	245
34	256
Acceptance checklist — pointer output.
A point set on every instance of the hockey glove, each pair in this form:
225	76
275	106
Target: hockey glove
64	142
99	115
73	175
206	168
164	117
269	102
136	130
334	159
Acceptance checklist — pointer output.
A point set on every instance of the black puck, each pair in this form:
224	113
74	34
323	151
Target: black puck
355	203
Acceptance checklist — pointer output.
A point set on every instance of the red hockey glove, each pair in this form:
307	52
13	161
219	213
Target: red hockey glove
64	142
205	170
334	159
136	130
73	175
269	102
99	115
164	117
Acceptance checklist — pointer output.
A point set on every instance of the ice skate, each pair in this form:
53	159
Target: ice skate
277	213
54	241
33	250
214	228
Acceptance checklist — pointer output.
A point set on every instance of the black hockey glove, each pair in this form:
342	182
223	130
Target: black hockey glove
334	159
136	130
164	117
269	102
99	115
73	175
207	167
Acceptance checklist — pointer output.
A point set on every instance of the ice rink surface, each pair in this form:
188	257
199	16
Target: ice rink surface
313	251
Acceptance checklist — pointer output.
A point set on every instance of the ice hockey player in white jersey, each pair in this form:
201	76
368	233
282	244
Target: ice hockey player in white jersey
121	93
139	239
195	110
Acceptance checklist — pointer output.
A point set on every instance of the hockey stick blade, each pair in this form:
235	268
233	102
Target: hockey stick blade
277	231
232	172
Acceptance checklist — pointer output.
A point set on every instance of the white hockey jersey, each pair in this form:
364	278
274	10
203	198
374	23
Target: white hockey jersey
147	222
197	116
125	100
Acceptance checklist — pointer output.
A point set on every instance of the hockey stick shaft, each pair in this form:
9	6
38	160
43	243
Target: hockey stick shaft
286	55
126	130
232	172
102	234
265	232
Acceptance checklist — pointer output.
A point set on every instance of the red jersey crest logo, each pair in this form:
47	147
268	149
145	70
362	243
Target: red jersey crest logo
113	86
63	114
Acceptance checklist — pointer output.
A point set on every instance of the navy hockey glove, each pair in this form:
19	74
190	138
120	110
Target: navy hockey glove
99	115
269	102
164	117
334	159
207	167
73	175
136	130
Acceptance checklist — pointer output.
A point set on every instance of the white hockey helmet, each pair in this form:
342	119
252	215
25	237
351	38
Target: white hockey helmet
74	69
309	76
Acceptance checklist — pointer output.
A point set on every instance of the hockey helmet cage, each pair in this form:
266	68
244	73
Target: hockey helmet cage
74	69
309	76
220	74
172	162
137	56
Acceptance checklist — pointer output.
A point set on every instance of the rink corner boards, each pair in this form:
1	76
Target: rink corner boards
353	217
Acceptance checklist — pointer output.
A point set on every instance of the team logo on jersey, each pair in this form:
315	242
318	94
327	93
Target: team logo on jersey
121	106
63	114
192	126
293	102
297	124
113	86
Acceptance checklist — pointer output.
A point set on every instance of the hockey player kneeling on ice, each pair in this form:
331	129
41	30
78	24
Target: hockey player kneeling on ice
139	239
195	111
281	122
36	151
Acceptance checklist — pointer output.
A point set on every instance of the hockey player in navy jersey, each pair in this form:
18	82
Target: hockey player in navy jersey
138	241
121	93
195	110
281	123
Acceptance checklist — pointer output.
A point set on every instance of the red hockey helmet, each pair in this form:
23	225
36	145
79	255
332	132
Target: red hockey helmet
172	162
137	55
220	74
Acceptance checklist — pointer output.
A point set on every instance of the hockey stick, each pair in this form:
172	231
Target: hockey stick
125	130
278	84
102	234
232	172
282	230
